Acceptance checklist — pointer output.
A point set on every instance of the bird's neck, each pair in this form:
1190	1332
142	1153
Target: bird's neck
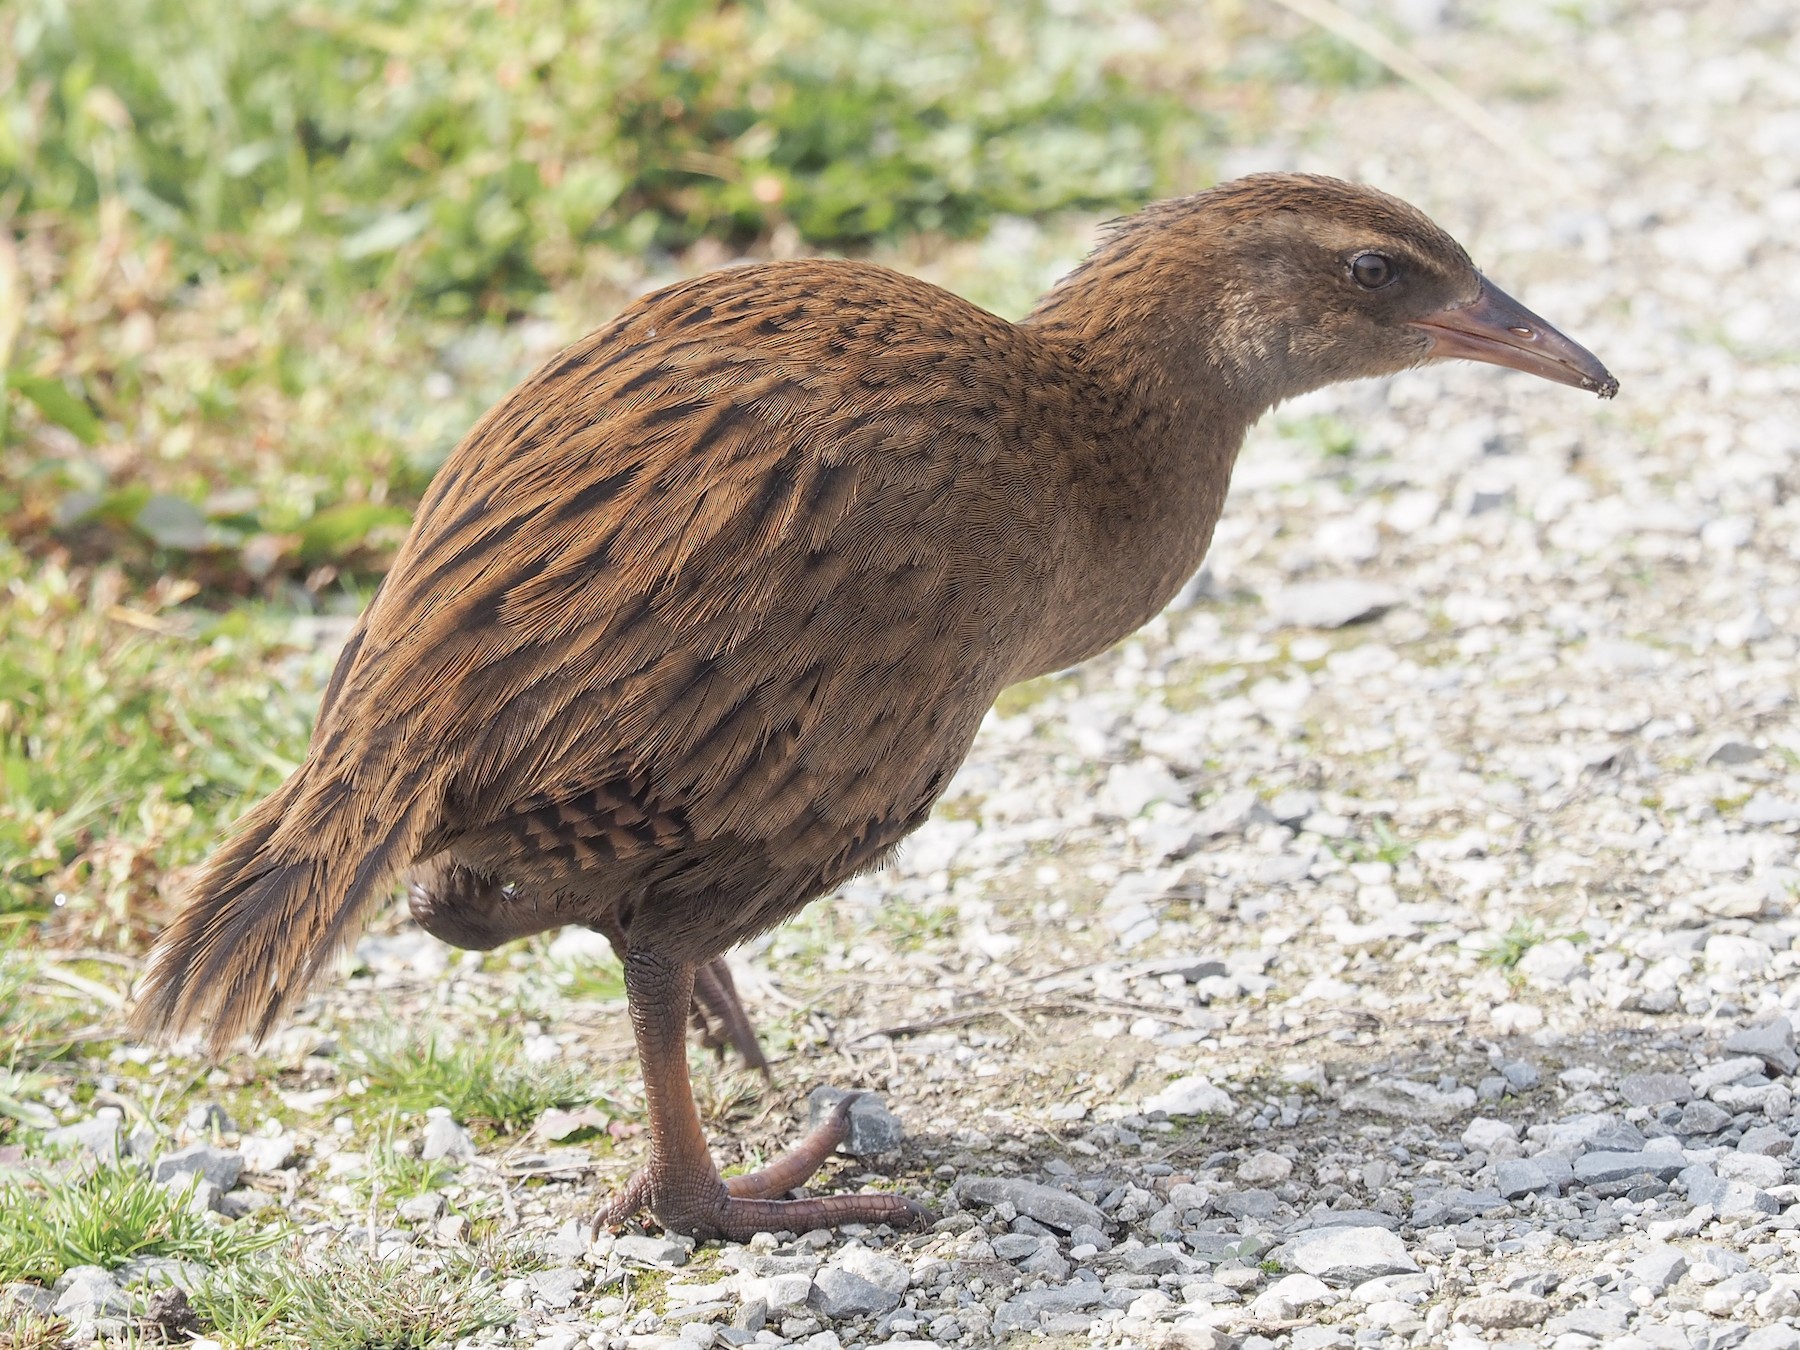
1164	397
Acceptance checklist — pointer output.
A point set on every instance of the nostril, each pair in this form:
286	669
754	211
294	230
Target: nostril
1522	331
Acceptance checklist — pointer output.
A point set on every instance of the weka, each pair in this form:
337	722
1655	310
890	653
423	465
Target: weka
699	621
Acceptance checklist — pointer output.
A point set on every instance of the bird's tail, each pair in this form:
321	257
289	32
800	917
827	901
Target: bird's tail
287	892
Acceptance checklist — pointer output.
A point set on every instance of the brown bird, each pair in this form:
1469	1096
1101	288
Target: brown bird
699	621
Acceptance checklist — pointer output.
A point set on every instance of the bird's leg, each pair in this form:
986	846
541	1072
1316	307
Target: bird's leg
718	1015
716	1001
680	1185
471	910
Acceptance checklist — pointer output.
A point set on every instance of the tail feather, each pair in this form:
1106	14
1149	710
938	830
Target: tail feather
269	911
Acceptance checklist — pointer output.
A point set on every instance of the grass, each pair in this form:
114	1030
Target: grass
345	1301
1510	947
28	1331
482	1079
132	730
105	1218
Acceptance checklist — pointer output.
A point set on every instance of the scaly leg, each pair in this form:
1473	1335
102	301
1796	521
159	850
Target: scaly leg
680	1185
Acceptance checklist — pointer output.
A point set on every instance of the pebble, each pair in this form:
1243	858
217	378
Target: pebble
873	1128
1046	1204
444	1138
1504	1311
220	1168
269	1153
100	1136
1349	1256
1193	1095
1330	604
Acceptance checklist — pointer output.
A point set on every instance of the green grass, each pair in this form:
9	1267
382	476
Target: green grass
345	1301
1510	947
104	1219
483	1080
130	735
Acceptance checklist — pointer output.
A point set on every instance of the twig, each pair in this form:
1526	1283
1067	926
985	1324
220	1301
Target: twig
1371	41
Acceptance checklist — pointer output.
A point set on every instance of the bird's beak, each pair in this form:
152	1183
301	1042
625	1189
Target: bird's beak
1497	329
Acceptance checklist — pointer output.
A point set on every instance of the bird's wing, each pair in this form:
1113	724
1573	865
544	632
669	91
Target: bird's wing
759	545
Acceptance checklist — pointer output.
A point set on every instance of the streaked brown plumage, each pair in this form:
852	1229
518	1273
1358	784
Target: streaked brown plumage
699	621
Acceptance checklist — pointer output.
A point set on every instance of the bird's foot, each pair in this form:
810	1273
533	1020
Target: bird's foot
707	1207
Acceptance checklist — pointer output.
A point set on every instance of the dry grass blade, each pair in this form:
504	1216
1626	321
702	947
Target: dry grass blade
1371	41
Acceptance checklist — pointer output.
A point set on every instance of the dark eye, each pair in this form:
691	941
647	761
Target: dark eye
1373	270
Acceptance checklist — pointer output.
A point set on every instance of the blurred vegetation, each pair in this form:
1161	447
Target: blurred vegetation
251	232
261	264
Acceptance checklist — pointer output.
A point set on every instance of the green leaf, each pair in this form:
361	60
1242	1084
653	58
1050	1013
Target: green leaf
53	399
338	529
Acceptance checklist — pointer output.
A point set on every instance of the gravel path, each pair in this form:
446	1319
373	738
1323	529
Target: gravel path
1391	946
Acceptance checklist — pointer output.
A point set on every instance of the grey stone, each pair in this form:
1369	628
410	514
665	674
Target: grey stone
1522	1074
1330	604
1293	806
1348	1218
1089	1235
1348	1256
160	1272
1406	1100
1654	1089
1734	752
1047	1205
245	1200
1022	1311
1193	1095
559	1287
1514	1177
1015	1246
1660	1267
1232	812
1452	1204
444	1138
428	1208
1503	1311
1603	1324
209	1118
1728	1198
85	1293
28	1298
1726	1071
873	1128
838	1293
1254	1203
1047	1261
652	1251
1618	1137
221	1167
99	1136
1594	1168
1774	1337
1769	1140
1289	1296
1153	1261
1772	1042
887	1274
1702	1118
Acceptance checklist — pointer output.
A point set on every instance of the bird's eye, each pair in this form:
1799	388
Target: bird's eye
1372	271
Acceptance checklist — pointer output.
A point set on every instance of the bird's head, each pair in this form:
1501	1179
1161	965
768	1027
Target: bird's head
1293	281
